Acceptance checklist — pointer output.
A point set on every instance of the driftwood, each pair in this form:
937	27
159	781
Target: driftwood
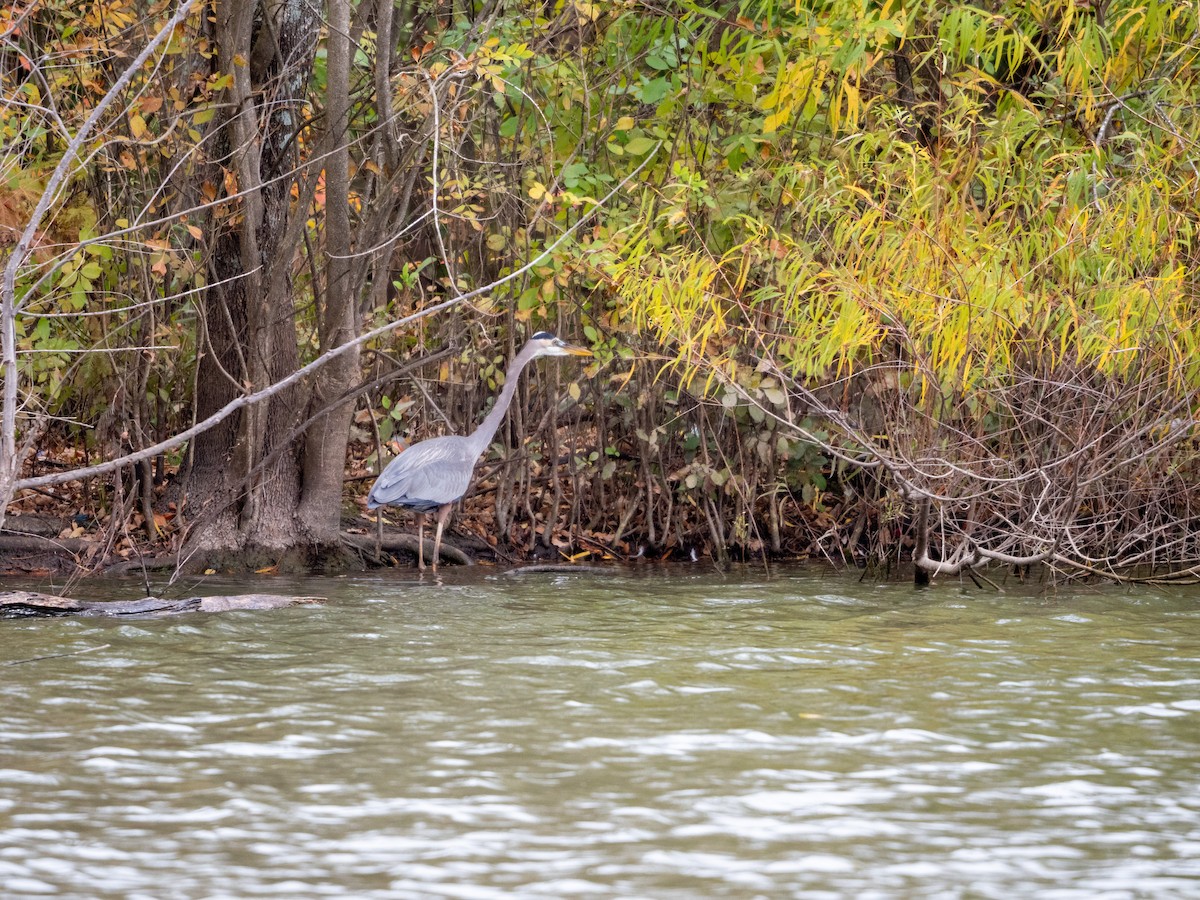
19	604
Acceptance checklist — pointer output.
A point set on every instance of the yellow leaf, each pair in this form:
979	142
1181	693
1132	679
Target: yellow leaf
137	126
772	122
624	123
537	191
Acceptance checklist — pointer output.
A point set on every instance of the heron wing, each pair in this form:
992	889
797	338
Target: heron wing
426	475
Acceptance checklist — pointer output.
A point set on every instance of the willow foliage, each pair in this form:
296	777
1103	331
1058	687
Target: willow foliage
976	187
965	236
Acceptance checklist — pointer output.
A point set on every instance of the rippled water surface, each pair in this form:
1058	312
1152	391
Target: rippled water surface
680	734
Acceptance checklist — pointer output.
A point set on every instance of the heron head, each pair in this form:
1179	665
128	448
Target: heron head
546	344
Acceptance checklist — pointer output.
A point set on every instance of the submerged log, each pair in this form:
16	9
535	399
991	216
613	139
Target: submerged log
565	569
19	604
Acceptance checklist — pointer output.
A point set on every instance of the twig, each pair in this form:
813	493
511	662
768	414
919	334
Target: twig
17	662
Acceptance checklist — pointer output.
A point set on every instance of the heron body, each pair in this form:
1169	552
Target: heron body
426	475
434	473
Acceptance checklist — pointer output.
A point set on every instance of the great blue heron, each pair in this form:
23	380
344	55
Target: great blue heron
434	473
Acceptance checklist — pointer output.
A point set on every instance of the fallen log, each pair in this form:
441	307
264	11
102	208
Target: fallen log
20	604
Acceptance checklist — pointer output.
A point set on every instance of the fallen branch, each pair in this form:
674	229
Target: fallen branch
37	543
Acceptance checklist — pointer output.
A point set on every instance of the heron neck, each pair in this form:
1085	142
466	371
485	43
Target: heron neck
483	435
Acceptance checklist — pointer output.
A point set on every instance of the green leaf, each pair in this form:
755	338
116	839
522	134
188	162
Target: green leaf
655	90
573	173
528	299
640	146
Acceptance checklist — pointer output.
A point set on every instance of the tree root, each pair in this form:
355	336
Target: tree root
567	568
365	543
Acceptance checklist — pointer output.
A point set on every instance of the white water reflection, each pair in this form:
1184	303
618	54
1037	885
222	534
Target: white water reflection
658	737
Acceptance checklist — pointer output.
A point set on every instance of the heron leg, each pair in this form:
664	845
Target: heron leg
442	516
420	517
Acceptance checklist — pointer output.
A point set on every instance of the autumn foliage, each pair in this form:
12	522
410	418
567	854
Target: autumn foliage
897	281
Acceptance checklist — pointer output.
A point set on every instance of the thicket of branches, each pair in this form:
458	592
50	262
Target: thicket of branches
897	280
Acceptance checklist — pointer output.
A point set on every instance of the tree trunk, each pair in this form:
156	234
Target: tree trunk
325	440
267	483
245	475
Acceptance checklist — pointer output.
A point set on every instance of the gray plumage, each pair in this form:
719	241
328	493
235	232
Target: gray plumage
432	474
426	475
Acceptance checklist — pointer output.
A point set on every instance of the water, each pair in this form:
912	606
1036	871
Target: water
672	735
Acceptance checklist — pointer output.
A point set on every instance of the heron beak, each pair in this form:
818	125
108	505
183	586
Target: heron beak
572	350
